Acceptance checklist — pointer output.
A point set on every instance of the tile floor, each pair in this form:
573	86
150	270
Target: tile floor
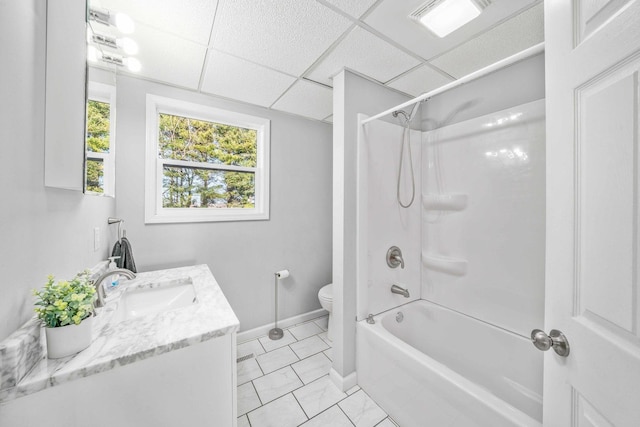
286	384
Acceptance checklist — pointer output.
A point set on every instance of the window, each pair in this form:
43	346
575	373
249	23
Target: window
100	140
205	164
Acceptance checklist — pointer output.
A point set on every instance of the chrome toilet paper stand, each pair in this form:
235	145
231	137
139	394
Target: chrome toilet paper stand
276	333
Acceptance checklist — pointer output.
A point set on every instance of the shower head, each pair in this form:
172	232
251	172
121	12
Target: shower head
395	114
407	117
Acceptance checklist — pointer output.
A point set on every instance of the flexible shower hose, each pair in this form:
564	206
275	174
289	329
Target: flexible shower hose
406	132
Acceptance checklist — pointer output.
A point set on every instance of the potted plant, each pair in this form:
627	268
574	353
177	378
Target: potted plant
66	310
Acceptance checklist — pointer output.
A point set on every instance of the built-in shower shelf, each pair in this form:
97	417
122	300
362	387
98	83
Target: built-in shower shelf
445	202
444	264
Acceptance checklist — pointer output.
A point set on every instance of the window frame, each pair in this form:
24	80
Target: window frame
103	93
155	212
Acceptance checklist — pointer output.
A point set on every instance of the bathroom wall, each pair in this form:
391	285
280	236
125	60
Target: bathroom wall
483	197
352	95
43	230
242	255
382	222
517	84
483	232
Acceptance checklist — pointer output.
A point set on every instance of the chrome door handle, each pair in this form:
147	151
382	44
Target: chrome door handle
555	340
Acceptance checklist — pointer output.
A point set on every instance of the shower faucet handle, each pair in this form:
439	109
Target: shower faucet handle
394	257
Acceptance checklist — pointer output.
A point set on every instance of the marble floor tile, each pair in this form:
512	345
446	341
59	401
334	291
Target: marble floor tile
247	398
270	345
248	370
277	384
317	396
353	389
328	353
249	347
361	410
309	346
305	330
312	368
283	412
385	423
332	417
325	338
276	359
323	322
243	421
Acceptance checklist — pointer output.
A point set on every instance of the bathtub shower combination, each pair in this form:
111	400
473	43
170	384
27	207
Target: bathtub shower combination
454	349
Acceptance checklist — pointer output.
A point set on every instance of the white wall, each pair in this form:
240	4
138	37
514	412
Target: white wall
382	222
43	231
352	95
497	161
242	255
501	231
514	85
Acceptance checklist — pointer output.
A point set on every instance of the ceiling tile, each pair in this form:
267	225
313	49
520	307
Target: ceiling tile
364	53
391	18
167	58
286	35
232	77
420	80
354	8
307	99
508	38
190	19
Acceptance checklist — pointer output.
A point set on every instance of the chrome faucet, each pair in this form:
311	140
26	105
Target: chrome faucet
394	257
98	282
395	289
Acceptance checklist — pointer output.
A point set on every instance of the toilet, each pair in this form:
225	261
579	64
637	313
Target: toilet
325	295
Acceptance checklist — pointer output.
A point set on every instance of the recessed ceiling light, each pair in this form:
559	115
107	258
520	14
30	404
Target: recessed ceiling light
442	17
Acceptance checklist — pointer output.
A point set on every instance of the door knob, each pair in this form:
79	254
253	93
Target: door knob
555	340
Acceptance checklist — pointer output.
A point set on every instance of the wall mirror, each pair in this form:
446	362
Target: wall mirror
65	94
83	44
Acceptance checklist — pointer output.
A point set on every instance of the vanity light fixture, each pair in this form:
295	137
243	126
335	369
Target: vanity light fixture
442	17
122	21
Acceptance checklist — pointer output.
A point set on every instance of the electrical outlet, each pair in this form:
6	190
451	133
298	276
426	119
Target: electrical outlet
96	239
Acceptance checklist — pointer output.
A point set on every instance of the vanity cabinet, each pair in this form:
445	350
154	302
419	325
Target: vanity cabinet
192	386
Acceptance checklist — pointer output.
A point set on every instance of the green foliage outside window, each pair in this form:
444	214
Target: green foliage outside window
98	125
182	138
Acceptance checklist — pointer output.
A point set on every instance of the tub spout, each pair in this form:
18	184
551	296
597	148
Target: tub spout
395	289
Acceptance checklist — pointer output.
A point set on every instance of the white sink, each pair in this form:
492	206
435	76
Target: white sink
155	297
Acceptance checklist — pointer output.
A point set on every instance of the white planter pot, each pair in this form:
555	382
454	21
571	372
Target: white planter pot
67	340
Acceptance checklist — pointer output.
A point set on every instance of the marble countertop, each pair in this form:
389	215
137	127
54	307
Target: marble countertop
121	343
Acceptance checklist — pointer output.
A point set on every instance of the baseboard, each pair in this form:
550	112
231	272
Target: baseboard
262	331
343	383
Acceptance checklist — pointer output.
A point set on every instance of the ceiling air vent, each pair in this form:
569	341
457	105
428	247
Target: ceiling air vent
442	17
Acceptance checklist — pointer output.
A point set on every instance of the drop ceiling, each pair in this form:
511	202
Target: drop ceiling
283	54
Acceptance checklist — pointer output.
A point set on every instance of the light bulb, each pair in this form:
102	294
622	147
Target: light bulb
124	23
129	46
92	54
133	65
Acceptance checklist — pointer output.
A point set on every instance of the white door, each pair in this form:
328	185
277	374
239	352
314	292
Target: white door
593	175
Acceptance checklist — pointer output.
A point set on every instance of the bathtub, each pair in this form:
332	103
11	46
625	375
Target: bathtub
426	365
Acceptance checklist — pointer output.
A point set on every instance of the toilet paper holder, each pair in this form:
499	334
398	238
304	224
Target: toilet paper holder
277	333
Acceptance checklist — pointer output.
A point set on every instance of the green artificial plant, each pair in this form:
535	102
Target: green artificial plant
65	302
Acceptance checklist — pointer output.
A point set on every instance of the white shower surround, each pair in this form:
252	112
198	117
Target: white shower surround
497	162
382	223
473	244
